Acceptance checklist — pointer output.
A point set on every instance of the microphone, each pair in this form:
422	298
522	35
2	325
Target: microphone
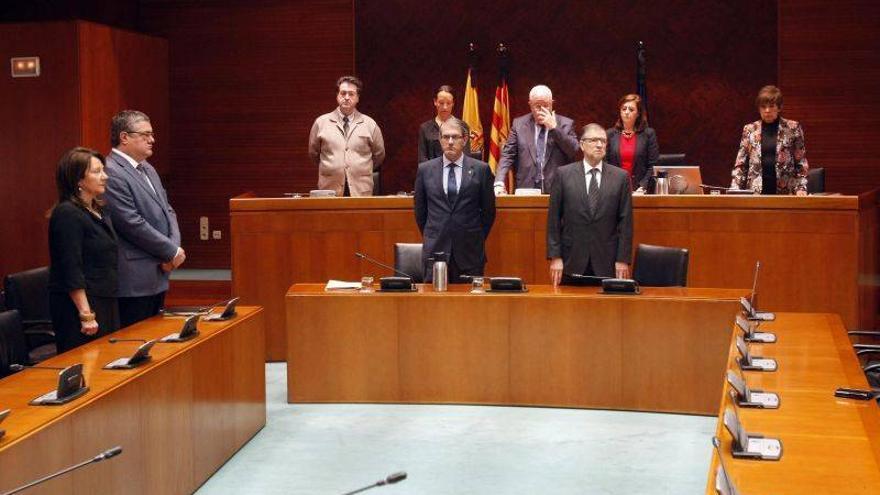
15	368
389	480
717	444
383	265
107	454
113	341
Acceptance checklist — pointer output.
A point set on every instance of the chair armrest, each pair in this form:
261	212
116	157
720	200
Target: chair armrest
866	347
863	352
33	323
871	367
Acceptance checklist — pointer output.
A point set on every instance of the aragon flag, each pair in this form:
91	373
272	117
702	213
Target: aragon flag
500	120
471	114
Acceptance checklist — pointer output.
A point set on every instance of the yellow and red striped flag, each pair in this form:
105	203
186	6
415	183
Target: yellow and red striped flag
500	122
470	113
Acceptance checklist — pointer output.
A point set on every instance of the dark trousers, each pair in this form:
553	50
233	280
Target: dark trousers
66	324
135	309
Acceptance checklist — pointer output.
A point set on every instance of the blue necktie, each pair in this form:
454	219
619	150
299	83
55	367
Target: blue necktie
542	145
451	186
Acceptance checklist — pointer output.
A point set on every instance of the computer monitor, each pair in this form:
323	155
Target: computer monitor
682	179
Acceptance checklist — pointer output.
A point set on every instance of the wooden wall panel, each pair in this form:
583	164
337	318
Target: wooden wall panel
828	70
247	81
119	70
706	60
36	118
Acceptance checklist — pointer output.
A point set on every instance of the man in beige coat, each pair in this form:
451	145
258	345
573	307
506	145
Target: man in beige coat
346	145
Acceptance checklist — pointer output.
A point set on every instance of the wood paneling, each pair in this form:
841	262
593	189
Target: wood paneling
818	253
89	72
38	118
815	357
247	79
178	418
706	60
513	349
828	71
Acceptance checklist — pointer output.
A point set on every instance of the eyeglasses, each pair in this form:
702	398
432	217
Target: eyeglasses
451	137
594	140
146	135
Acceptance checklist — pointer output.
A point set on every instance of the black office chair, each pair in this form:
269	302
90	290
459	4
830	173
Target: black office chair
28	292
816	180
868	354
408	259
6	318
14	340
671	159
659	266
377	183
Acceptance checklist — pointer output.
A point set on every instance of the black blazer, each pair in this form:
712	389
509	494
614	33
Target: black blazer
580	238
461	228
82	251
647	154
429	141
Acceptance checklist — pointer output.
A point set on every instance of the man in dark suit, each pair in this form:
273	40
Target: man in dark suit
149	237
539	143
589	221
454	205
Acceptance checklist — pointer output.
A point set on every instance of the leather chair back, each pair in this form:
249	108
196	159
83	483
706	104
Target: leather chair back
13	349
816	180
408	259
28	292
660	266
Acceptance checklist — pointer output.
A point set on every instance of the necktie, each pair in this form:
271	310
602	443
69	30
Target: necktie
593	195
451	186
143	174
345	126
542	148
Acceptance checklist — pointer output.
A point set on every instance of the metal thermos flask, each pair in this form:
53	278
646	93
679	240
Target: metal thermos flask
661	186
441	276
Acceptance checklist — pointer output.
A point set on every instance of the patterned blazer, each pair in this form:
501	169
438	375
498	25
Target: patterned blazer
791	160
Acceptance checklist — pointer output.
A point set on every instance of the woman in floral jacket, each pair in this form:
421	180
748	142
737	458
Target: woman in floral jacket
771	158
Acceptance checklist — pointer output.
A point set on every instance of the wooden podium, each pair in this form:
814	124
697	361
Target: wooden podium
818	253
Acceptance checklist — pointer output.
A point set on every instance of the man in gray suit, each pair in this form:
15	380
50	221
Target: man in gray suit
538	144
589	221
149	238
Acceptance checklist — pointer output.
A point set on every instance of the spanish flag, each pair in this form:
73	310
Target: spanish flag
471	114
500	121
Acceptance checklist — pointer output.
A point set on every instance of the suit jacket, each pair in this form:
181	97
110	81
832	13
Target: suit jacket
791	161
462	228
520	154
339	157
647	154
83	252
580	238
145	224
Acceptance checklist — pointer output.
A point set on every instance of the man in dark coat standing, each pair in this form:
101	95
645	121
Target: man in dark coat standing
454	205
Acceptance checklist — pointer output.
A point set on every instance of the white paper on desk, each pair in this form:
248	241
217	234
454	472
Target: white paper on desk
342	285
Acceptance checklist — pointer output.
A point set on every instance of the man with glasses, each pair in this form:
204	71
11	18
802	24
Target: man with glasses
454	206
539	143
346	145
589	221
149	237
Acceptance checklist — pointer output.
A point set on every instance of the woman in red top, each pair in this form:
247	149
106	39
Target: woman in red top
632	145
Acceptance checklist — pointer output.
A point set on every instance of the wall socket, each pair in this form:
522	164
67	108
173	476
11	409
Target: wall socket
203	228
216	235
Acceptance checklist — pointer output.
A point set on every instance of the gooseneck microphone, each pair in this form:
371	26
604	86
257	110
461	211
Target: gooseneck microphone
389	480
113	341
717	444
383	265
107	454
15	368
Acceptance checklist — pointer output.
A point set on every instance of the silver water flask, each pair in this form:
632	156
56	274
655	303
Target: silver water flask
440	276
661	186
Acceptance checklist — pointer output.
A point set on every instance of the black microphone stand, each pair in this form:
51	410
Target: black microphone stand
98	458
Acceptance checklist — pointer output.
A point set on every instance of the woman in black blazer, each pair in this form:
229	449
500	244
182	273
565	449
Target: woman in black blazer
82	252
429	131
632	145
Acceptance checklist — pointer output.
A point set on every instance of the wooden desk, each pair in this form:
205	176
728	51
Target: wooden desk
565	347
178	418
829	445
819	253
